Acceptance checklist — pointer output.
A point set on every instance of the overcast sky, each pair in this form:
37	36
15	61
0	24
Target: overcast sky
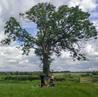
11	58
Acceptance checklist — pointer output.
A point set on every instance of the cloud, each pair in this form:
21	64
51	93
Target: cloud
88	5
85	5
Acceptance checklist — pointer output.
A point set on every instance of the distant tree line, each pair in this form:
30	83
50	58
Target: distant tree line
59	76
18	73
21	78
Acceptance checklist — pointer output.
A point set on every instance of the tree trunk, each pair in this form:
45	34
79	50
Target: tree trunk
46	64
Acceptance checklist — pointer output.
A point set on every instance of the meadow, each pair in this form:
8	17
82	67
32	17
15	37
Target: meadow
63	88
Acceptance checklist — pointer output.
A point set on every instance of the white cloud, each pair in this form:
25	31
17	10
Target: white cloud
88	5
85	5
89	48
74	3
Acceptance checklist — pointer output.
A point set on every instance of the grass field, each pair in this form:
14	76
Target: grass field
62	89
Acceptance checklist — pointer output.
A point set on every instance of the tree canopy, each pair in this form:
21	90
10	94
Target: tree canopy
57	29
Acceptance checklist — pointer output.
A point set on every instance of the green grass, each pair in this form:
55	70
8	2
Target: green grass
62	89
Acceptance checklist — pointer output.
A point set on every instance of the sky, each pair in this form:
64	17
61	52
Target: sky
11	58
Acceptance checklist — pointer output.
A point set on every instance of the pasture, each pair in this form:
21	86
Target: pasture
63	88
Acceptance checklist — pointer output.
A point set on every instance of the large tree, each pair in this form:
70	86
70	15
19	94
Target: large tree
57	29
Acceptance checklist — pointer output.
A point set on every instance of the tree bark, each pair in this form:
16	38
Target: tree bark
46	64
